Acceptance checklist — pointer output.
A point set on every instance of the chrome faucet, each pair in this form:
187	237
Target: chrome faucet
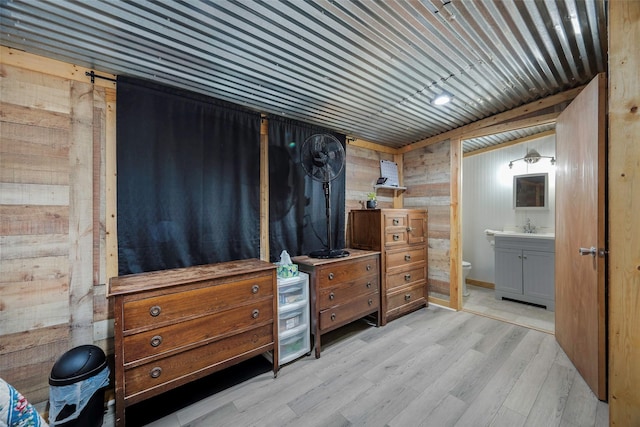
528	228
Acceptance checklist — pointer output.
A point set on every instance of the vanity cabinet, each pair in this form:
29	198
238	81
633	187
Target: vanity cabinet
342	290
401	236
175	326
525	270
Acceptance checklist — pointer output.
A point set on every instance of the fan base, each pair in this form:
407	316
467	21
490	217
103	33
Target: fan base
329	253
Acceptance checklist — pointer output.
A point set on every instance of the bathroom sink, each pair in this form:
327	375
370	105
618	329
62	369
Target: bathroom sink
526	235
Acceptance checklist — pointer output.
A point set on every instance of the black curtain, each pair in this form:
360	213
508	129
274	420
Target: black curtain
188	179
297	215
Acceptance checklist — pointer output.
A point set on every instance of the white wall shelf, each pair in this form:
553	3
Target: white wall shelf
389	187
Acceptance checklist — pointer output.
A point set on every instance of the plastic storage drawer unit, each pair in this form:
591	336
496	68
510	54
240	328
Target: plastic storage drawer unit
293	317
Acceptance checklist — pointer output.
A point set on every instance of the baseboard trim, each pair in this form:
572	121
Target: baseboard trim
440	302
480	283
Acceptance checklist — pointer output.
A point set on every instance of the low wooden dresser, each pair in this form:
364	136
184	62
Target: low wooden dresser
401	236
175	326
342	290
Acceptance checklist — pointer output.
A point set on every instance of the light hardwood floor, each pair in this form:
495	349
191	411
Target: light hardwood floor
433	367
482	301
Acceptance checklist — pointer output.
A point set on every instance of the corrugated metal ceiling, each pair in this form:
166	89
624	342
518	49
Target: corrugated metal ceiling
484	142
365	68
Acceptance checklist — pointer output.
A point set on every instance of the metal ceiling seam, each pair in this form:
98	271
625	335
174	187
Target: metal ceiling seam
568	47
242	63
520	68
539	69
549	39
366	86
347	55
437	85
325	93
382	56
468	28
499	76
583	39
525	21
405	42
431	84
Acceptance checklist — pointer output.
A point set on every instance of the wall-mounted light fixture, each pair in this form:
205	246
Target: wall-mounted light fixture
533	157
443	98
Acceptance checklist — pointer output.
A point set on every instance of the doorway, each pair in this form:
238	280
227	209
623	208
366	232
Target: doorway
487	207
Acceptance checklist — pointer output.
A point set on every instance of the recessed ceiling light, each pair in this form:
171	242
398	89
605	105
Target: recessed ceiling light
442	99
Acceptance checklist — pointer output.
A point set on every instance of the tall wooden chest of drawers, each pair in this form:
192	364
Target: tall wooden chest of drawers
175	326
342	290
401	236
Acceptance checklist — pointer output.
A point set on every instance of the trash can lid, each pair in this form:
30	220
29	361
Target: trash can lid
77	364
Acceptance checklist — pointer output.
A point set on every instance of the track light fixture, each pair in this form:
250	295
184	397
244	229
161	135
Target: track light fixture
533	157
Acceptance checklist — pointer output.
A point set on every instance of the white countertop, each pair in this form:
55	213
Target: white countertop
525	235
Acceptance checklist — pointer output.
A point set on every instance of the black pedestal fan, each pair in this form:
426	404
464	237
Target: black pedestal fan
323	159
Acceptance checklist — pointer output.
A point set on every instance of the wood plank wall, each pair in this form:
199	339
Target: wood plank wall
363	169
624	220
52	211
427	176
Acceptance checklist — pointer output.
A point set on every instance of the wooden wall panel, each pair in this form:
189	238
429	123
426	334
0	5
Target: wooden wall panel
52	215
427	176
35	89
362	171
623	211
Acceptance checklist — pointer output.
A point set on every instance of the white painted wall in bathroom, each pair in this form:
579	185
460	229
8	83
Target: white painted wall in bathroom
487	200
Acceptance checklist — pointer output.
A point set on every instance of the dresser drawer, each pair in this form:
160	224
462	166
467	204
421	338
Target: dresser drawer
406	296
168	308
395	237
344	313
343	292
398	258
151	375
342	272
395	219
405	278
167	338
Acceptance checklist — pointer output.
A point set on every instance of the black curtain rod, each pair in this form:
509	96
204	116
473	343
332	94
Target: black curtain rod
93	76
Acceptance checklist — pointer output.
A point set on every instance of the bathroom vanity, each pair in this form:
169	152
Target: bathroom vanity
525	268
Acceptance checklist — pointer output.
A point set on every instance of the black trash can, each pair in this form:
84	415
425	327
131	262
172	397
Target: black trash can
77	383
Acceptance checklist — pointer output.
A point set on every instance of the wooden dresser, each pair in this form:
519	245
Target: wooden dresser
342	290
401	236
174	326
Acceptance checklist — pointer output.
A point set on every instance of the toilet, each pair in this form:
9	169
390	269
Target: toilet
466	268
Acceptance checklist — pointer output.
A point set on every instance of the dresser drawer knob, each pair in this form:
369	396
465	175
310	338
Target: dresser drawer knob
396	237
407	277
155	311
369	285
407	297
255	289
255	313
396	221
368	267
370	301
331	276
155	372
407	258
333	316
332	296
409	229
156	341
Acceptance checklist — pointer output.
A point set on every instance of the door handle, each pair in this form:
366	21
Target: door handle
588	251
